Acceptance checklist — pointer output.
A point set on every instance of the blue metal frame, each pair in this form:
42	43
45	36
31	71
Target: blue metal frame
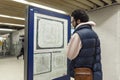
31	11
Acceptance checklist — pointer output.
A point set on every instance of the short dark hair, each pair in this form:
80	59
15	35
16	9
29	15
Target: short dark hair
80	14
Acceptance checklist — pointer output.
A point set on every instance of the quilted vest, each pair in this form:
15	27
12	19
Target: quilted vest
90	53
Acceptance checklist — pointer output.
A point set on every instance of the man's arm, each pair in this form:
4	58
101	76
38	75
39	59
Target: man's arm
74	46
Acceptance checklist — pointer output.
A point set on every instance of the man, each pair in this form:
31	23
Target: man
84	46
21	51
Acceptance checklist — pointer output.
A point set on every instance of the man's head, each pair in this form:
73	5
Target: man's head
78	16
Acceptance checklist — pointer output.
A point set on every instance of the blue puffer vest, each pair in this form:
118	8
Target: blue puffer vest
90	53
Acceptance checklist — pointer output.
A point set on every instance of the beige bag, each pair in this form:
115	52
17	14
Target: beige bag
83	74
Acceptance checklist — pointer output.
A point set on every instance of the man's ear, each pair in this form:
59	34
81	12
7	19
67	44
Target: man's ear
78	21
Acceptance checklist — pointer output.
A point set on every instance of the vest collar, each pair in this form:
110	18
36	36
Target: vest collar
88	24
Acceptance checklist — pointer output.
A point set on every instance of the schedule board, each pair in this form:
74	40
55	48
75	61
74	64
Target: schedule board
47	36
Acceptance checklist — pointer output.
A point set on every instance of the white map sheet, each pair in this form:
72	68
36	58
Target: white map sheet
59	60
42	63
50	33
